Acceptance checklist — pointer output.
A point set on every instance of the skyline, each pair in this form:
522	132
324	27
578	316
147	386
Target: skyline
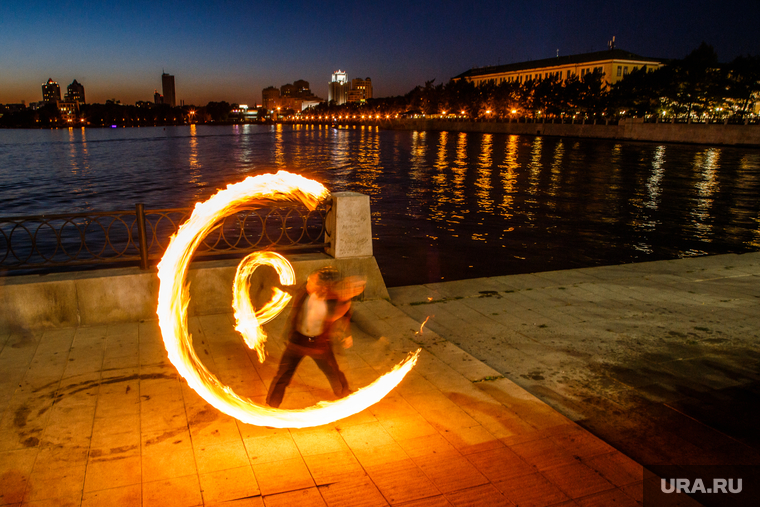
231	51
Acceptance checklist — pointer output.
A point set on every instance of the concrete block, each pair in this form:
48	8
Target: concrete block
125	298
27	306
349	226
130	295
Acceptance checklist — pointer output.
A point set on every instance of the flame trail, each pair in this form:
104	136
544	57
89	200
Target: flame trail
173	298
423	324
249	321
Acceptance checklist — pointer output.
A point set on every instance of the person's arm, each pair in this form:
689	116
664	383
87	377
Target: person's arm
340	309
290	289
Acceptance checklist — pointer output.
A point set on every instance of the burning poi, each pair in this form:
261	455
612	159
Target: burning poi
173	299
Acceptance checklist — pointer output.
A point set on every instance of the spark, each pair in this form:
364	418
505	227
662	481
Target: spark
423	324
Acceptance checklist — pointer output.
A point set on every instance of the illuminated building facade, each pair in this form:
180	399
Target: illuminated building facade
613	64
51	92
361	90
69	109
167	84
296	96
338	88
75	93
270	97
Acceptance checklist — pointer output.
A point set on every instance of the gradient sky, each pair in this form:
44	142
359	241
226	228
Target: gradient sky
225	50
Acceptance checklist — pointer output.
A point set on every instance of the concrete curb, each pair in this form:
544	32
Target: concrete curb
105	296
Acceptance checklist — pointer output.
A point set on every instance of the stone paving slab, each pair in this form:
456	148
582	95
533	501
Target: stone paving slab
660	359
98	416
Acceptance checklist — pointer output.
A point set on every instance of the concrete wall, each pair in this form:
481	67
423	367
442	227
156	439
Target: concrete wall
628	130
130	295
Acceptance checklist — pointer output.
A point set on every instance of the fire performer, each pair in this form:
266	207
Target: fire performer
321	311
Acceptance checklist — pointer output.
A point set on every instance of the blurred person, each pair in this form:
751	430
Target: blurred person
321	313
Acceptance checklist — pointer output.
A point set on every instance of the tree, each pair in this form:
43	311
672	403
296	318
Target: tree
218	111
743	82
638	93
697	79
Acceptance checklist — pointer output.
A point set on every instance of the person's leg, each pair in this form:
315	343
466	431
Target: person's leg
329	366
288	364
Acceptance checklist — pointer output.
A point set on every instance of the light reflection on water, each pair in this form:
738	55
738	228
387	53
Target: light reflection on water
445	205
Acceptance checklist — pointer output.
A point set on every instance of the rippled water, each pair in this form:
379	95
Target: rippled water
445	205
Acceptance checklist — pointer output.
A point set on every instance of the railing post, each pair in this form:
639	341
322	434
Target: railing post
142	236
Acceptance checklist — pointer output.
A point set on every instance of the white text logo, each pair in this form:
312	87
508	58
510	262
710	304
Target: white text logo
698	486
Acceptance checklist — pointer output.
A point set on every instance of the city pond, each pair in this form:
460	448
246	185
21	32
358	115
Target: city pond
445	205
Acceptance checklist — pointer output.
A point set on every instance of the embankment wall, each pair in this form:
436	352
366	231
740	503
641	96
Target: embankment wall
626	130
129	295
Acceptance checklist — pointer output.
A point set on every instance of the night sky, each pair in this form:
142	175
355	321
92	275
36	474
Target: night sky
232	50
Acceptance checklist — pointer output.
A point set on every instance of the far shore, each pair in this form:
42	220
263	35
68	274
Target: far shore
625	129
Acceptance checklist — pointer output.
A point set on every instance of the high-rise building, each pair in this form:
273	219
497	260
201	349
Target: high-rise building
167	83
75	93
288	90
338	88
270	98
51	92
361	90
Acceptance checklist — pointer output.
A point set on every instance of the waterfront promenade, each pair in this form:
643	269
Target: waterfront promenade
660	359
96	415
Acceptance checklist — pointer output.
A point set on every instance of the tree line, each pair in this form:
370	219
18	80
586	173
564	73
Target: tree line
696	85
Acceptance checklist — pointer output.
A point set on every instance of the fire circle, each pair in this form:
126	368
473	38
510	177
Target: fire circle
173	299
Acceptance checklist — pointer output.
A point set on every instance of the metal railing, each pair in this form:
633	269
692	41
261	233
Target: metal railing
31	243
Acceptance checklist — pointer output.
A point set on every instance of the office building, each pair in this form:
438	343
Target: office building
270	97
167	84
361	90
338	88
157	97
75	93
69	108
612	64
296	96
51	92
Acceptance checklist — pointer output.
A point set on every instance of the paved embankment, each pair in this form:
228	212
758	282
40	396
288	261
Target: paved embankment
96	415
659	359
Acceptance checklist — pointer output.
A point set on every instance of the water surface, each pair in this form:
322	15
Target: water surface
445	205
